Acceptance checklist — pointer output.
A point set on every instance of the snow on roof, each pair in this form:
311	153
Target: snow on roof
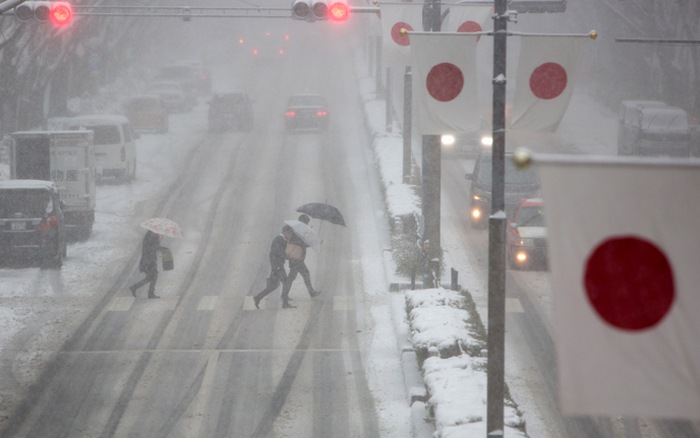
27	184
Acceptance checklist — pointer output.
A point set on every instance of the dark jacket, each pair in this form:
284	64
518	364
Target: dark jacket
278	252
149	253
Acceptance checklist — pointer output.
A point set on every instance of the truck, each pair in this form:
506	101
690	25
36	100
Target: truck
66	158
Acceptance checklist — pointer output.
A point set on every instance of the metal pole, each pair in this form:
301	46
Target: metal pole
388	101
497	231
431	171
407	123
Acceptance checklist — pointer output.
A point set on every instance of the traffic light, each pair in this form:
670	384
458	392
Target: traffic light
312	10
338	10
59	13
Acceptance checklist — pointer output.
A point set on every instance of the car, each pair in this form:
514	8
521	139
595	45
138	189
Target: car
183	73
32	224
526	236
306	112
147	113
202	76
230	111
174	96
519	183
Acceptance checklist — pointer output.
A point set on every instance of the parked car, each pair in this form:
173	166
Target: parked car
306	112
175	98
526	236
231	111
32	225
518	184
147	113
115	144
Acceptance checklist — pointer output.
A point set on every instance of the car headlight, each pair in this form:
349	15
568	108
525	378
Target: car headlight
447	140
486	140
476	213
527	242
521	257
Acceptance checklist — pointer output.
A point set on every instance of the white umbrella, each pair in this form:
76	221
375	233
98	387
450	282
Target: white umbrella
305	233
164	226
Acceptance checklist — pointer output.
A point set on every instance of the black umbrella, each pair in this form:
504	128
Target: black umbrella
324	212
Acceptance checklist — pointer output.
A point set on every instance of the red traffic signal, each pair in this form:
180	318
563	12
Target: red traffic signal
338	10
59	13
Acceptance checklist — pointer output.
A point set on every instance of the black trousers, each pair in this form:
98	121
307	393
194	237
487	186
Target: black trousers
151	277
277	277
297	267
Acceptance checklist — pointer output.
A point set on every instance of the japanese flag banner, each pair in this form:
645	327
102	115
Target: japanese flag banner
466	17
445	97
544	81
624	258
396	45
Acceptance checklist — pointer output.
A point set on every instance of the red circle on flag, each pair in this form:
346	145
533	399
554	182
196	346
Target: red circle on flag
401	40
629	282
470	26
548	80
444	82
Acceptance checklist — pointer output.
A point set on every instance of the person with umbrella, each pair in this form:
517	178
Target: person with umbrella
277	273
149	263
297	264
149	251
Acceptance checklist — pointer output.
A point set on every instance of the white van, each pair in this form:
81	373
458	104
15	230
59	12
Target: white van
115	146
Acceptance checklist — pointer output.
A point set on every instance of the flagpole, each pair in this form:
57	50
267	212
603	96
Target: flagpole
497	232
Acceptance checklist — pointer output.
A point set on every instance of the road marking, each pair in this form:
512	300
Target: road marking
513	306
120	304
343	302
208	302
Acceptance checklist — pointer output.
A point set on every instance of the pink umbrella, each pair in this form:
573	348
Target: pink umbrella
164	226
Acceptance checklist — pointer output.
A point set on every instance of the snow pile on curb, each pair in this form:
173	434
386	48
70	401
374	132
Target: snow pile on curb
454	378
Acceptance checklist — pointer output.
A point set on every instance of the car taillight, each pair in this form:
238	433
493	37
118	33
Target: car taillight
289	114
49	223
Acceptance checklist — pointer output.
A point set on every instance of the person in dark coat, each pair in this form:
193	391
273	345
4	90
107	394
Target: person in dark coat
149	263
278	275
298	265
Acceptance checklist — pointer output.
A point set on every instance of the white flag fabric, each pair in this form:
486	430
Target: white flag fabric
625	273
445	97
466	17
396	48
545	80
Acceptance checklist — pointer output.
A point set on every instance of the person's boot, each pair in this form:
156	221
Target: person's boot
133	291
256	300
286	305
152	295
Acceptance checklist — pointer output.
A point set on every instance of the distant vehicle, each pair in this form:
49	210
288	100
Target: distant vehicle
66	158
264	46
230	111
32	222
115	144
147	113
466	143
306	112
653	128
526	236
175	98
183	73
518	184
202	76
